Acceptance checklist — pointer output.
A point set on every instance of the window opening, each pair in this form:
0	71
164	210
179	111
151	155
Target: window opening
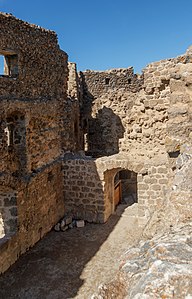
15	138
15	130
85	142
9	133
174	154
107	81
1	65
8	64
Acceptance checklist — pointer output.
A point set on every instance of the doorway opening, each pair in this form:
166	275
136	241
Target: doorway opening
120	187
125	187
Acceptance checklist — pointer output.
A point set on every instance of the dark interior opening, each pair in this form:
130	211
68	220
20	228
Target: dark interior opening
107	80
174	154
125	184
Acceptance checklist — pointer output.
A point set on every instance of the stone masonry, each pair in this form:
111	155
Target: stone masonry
64	136
32	135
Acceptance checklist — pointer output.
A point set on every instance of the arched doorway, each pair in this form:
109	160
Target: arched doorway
120	186
125	187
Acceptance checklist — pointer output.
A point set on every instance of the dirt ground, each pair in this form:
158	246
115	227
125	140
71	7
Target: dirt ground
74	263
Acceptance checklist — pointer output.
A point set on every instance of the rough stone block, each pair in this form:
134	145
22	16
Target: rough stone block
156	187
68	219
80	223
57	227
142	186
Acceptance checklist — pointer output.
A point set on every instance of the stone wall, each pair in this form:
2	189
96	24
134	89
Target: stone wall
83	189
129	120
40	134
179	140
89	186
164	189
39	206
33	136
126	120
97	83
41	64
138	123
73	137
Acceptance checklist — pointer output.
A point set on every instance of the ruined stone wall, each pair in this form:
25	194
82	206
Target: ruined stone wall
164	190
129	119
40	134
41	64
140	123
123	120
97	83
176	205
32	136
73	138
39	204
136	123
122	125
179	140
126	125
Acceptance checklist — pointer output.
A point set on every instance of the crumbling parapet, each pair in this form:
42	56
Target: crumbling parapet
99	82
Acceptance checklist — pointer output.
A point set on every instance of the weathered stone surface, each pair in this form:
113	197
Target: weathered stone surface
33	92
158	268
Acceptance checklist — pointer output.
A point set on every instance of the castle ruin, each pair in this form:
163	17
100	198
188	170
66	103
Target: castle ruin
80	143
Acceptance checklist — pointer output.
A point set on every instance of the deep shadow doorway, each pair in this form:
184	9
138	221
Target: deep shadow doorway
125	187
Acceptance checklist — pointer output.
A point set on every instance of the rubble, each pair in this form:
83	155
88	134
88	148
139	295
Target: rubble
68	222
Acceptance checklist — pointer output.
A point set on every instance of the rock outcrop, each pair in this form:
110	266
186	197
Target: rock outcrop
157	268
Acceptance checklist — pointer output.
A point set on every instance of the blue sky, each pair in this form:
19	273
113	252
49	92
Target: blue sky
105	34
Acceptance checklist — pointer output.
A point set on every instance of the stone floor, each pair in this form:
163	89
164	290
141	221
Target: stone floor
74	263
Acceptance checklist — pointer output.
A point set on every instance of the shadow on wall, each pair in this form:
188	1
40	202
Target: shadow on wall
102	131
